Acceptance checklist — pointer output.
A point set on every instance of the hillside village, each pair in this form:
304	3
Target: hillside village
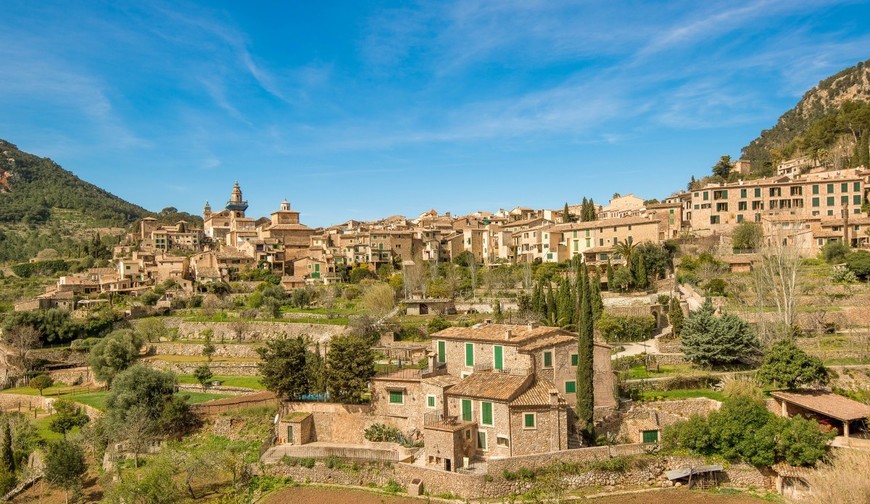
443	352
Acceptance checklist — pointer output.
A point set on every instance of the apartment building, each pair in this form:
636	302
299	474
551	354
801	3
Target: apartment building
596	240
718	208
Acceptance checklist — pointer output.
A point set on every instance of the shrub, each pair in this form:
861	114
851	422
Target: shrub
835	252
393	486
307	462
716	287
859	263
626	327
289	461
841	275
334	462
617	465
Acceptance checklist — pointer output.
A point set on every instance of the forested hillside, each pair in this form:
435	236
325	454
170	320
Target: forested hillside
45	207
831	124
35	185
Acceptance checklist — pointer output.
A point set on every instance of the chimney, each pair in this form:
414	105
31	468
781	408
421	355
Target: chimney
507	334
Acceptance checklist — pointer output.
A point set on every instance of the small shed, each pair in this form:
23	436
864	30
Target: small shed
842	413
425	306
701	476
295	428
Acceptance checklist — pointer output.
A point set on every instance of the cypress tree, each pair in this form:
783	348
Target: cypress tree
585	371
564	307
597	302
567	217
676	317
641	279
7	456
538	298
609	275
551	302
591	216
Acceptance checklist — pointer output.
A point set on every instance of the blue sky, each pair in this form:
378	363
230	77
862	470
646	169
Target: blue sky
362	110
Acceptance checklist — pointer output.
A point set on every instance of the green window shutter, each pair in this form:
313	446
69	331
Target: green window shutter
396	397
548	359
856	186
815	189
570	387
575	359
498	357
486	413
830	201
650	436
815	202
430	401
442	352
856	199
844	187
844	200
529	420
466	410
469	354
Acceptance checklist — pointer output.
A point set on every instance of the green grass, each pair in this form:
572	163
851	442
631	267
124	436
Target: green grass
251	382
94	400
201	397
653	395
640	372
846	361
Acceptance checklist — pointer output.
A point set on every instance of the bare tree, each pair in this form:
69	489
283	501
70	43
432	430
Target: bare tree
527	276
843	480
379	299
23	338
776	281
240	327
472	270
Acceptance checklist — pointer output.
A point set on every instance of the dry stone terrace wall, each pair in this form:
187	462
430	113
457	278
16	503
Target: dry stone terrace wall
218	368
234	350
254	330
645	470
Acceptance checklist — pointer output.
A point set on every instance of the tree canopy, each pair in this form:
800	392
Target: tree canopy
786	365
350	364
709	340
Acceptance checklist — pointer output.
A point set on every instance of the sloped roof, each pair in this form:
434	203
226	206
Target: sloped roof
826	403
489	385
402	375
443	381
538	394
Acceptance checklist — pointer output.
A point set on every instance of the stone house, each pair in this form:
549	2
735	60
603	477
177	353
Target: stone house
547	352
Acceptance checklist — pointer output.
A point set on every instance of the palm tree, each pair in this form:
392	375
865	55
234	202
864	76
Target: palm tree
624	249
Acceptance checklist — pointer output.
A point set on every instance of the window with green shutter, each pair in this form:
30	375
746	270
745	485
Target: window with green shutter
844	187
548	359
498	357
570	387
486	413
650	436
481	441
856	199
397	397
469	354
430	401
757	192
575	359
856	186
466	410
529	421
830	188
815	202
844	199
830	201
442	352
816	189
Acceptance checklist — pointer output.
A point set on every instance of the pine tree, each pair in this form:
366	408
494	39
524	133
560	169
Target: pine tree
585	371
676	317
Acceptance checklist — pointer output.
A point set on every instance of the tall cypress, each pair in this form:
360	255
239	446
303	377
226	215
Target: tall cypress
597	302
675	316
592	212
585	371
7	456
538	299
551	302
564	307
609	275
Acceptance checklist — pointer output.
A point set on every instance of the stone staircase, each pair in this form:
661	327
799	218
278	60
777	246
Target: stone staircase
574	440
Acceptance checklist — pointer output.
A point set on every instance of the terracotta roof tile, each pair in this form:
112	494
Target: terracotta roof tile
489	385
538	394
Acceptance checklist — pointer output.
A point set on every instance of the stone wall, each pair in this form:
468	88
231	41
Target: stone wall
218	368
640	470
670	359
628	424
254	330
27	403
668	345
73	375
195	349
